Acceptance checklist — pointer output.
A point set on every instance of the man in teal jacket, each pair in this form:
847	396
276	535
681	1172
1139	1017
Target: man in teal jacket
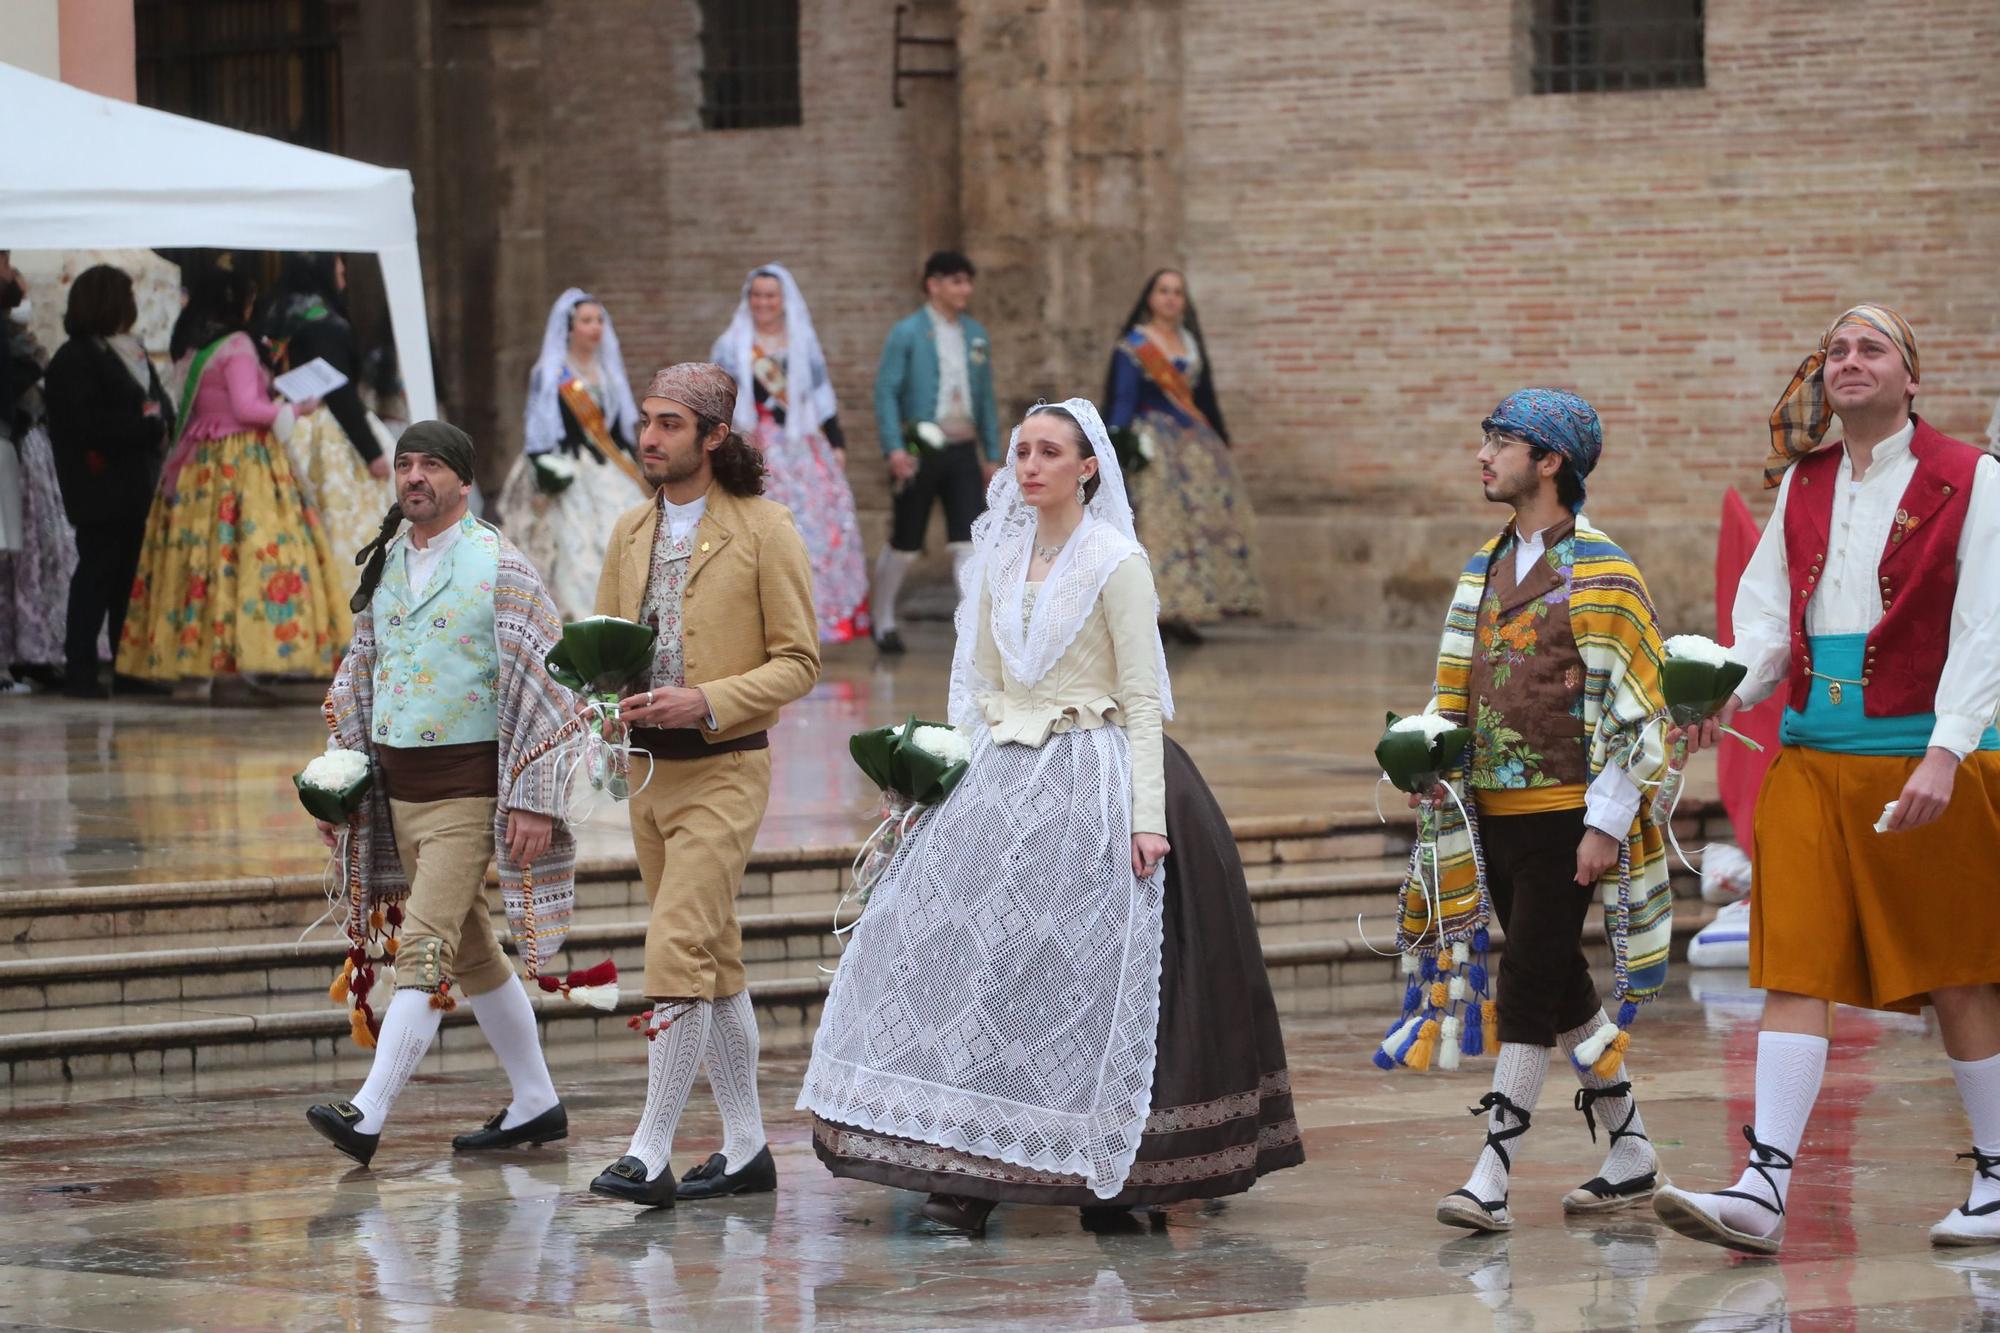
935	382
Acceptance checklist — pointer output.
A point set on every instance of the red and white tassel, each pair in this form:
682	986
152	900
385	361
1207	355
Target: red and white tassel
593	987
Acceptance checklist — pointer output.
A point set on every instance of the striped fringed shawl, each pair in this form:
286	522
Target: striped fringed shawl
532	709
1612	621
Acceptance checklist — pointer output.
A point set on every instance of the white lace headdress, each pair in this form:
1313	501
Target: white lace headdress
541	419
1003	540
809	399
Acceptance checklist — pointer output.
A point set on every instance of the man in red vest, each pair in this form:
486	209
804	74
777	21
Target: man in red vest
1873	608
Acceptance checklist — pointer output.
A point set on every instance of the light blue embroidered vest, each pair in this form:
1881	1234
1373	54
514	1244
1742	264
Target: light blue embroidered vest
437	662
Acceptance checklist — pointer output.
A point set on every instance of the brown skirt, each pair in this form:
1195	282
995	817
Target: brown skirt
1222	1099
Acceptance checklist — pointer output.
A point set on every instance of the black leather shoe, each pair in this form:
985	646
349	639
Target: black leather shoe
547	1127
336	1123
713	1180
890	643
626	1179
955	1212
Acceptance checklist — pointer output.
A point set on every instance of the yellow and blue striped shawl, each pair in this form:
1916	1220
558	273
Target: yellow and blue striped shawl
1613	623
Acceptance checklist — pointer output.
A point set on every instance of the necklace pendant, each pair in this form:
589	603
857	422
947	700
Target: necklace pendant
1833	692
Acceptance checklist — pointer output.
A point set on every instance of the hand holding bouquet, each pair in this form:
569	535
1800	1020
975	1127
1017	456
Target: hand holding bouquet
1415	752
598	657
333	786
916	765
1698	679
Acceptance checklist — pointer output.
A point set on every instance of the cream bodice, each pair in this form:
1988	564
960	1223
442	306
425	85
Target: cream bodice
1107	675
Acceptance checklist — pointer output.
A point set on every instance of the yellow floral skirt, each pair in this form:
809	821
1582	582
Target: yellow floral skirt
235	575
336	485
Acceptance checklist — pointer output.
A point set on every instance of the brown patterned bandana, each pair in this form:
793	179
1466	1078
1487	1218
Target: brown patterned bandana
701	385
1799	421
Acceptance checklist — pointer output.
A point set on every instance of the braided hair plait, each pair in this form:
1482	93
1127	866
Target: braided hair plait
373	557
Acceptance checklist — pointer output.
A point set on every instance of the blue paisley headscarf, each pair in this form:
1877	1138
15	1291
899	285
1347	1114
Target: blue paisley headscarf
1555	420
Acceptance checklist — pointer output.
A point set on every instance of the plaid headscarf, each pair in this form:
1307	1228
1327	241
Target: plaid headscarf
1557	421
1799	421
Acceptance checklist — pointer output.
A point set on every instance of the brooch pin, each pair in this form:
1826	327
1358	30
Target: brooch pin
1906	524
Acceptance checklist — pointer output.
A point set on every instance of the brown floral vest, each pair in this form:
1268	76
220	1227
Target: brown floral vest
1526	690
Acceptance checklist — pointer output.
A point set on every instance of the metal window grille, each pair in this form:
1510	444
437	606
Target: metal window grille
1598	46
749	64
267	66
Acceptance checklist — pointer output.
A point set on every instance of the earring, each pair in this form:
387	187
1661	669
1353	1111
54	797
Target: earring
1082	495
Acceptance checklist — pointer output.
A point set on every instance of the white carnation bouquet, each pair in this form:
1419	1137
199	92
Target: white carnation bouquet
916	765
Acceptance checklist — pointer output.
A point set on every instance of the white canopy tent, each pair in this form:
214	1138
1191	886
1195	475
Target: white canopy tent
89	172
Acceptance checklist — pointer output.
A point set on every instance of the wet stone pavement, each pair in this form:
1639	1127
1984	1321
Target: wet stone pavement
166	1205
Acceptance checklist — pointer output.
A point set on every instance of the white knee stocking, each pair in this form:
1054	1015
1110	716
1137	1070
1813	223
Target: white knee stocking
890	568
730	1062
508	1021
407	1030
1517	1075
1629	1155
673	1057
1979	1089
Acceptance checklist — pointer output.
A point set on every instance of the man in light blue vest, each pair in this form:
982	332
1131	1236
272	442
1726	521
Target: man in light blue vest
444	689
939	427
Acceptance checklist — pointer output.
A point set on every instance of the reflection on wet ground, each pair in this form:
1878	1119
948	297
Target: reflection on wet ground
170	1205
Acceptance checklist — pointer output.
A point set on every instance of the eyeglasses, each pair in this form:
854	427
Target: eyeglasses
1496	441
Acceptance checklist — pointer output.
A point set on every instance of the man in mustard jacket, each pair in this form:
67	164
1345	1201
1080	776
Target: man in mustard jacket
723	576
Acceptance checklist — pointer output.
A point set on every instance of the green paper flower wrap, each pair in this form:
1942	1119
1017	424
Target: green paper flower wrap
1417	751
602	656
333	786
923	437
554	473
894	761
1697	678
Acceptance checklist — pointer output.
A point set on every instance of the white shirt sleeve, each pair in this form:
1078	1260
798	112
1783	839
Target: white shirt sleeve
1612	802
1969	690
1762	619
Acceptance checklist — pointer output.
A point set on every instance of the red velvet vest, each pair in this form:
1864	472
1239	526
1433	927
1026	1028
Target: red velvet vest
1917	574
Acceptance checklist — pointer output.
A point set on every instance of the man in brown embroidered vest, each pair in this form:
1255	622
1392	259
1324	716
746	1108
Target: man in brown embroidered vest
1872	601
725	579
1552	657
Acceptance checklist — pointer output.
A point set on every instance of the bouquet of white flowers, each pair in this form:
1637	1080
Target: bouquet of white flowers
923	437
1417	751
916	765
333	786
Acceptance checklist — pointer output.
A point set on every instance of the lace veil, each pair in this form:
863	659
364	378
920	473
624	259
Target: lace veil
542	426
808	388
1003	540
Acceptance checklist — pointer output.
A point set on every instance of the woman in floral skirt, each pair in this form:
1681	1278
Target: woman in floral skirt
235	577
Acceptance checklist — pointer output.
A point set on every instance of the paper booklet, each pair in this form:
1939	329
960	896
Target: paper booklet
315	379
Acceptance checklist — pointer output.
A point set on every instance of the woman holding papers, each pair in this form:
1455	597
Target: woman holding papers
337	451
236	577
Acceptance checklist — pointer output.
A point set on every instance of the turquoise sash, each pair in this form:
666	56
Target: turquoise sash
1845	727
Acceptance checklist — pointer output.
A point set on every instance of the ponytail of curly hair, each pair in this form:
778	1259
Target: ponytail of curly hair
738	466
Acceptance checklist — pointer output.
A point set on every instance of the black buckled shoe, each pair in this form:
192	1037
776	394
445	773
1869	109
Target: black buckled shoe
714	1180
547	1127
336	1123
626	1179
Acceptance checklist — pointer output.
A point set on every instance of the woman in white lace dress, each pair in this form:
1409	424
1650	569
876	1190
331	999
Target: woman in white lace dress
1056	994
577	473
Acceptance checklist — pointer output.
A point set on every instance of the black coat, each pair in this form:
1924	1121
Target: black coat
108	451
331	338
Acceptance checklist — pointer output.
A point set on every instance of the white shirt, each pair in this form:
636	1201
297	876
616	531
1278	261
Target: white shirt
1613	799
954	378
420	562
682	519
1848	598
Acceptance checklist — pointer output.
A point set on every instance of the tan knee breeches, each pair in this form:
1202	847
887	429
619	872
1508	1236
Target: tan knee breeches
447	932
693	826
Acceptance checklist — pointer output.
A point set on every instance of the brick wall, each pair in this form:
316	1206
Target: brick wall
1386	234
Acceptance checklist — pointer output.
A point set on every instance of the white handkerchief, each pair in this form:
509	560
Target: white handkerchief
1882	824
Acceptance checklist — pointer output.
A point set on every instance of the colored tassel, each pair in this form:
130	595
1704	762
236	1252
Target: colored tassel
1482	940
1428	968
357	1027
1413	995
1449	1036
337	992
390	945
1397	1044
375	920
1424	1047
594	987
1460	953
1614	1055
1382	1060
1458	990
1409	965
394	916
1626	1013
1475	977
1446	962
1474	1042
1489	1018
1586	1052
1439	991
444	999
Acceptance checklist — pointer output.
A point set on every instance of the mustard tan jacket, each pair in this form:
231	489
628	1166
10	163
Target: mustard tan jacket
750	639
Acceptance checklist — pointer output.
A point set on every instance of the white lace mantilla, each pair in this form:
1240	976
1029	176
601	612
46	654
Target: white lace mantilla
1001	995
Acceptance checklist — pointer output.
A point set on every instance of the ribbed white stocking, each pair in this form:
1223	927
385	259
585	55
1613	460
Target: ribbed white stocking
407	1030
1627	1158
731	1065
1979	1089
1518	1075
1790	1066
673	1058
890	568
